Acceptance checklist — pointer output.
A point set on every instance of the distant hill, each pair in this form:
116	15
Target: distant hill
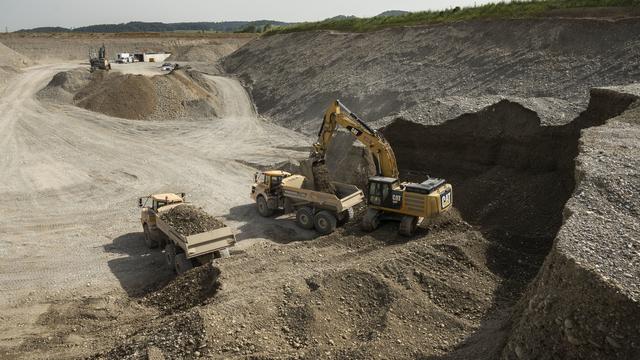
393	13
340	17
138	26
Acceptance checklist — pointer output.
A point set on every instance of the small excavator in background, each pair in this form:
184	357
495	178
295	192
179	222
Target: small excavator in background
99	61
387	197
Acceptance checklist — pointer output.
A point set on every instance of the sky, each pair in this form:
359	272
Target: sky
21	14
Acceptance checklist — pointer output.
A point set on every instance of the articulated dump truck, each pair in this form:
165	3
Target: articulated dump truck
172	224
279	190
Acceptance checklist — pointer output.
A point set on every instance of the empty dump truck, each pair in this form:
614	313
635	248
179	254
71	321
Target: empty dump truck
188	235
279	190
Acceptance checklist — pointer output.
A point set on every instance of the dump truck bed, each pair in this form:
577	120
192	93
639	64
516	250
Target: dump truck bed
350	196
199	244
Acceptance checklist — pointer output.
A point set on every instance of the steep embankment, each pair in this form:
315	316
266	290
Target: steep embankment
178	95
585	302
434	73
43	47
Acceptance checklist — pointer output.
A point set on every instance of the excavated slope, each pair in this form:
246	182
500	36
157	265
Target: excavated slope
584	302
434	73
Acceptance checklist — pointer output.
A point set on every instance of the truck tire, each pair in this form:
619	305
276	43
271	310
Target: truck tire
182	264
149	239
263	207
371	220
345	216
304	217
408	225
170	255
325	222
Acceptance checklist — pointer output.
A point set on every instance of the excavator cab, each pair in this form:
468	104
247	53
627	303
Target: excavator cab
385	192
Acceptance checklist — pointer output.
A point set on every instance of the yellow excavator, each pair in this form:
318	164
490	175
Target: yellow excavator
387	197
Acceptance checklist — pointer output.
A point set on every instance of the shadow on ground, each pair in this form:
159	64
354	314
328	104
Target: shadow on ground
279	228
140	270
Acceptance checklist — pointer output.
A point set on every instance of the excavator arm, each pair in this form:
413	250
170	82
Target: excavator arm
338	115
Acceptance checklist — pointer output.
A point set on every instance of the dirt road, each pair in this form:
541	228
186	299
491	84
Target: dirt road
69	183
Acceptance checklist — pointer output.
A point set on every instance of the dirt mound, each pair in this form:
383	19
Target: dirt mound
64	85
191	289
179	95
172	337
189	220
124	96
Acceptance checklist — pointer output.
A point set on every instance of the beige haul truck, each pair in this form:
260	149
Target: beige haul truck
279	190
182	252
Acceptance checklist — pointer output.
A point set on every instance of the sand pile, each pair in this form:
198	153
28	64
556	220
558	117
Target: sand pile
179	95
189	220
124	96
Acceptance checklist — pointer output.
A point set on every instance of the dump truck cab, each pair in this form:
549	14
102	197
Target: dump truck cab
266	191
267	182
151	205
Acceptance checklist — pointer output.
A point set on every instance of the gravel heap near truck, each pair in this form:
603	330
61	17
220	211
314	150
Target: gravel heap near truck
189	220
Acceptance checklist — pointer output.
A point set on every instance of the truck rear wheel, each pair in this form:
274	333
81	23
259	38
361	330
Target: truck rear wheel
304	217
182	264
408	225
325	223
170	255
263	207
371	220
149	240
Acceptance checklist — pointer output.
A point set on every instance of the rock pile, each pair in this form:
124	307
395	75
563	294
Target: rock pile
189	220
321	179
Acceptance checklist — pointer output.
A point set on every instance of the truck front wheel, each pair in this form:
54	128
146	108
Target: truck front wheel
325	222
263	207
149	240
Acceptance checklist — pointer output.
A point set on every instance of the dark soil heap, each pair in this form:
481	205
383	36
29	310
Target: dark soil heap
321	179
189	220
186	291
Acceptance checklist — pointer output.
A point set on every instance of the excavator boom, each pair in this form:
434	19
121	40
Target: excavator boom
387	197
338	115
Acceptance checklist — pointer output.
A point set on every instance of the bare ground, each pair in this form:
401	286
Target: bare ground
70	230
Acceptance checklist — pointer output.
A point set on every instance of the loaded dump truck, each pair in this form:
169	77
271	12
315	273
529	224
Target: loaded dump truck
279	190
188	235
